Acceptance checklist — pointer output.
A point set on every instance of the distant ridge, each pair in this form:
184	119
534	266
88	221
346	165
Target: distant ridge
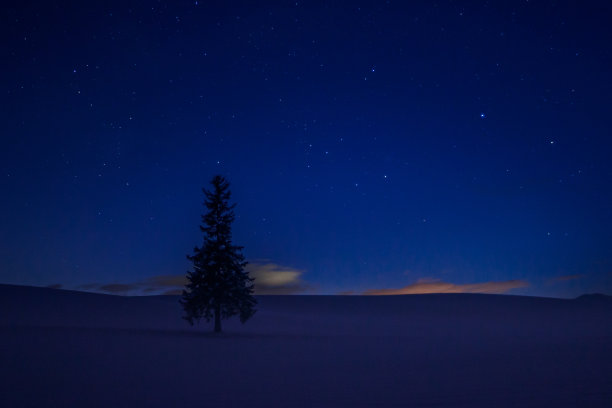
598	298
587	297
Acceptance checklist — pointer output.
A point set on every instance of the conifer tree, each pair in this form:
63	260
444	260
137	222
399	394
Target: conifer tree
218	286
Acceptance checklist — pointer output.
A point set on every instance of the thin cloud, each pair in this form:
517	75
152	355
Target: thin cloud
274	279
167	280
173	292
151	286
566	278
118	288
270	279
426	286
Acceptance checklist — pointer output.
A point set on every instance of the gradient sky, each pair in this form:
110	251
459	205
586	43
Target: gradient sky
370	145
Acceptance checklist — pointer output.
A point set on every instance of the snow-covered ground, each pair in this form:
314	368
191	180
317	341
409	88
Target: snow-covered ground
63	349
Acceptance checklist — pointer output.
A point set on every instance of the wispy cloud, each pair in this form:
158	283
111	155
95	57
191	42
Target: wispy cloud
274	279
119	287
565	278
425	286
113	288
270	279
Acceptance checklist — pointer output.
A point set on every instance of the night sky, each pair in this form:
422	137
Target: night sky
371	146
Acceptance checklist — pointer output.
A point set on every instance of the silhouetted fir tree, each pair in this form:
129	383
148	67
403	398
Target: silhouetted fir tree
218	286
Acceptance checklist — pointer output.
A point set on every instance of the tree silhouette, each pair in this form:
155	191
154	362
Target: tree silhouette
218	285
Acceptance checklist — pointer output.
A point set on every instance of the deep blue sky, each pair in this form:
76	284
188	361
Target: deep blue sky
369	145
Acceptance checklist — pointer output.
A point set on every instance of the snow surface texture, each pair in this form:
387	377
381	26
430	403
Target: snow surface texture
66	349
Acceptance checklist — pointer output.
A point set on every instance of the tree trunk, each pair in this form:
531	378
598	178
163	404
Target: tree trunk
218	319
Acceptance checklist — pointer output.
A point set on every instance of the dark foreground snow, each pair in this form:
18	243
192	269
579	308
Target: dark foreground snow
63	349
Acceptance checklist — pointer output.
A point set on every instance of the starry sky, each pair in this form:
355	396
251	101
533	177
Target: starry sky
373	147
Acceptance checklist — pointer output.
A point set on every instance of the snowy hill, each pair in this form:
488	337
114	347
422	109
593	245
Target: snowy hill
64	348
